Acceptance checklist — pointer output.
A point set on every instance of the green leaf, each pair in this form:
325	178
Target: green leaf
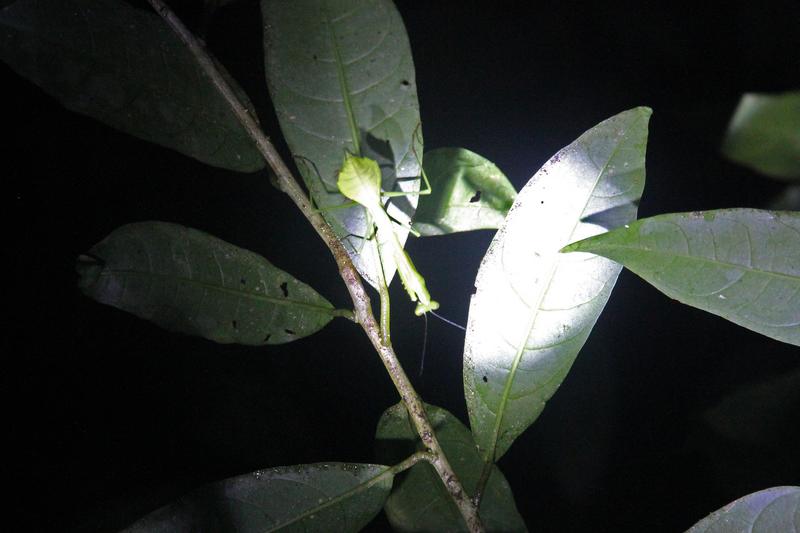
419	502
126	68
740	264
341	78
319	497
469	193
767	511
764	134
533	308
188	281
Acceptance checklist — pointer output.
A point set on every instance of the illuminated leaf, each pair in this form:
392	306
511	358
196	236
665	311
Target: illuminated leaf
740	264
188	281
533	307
311	498
341	78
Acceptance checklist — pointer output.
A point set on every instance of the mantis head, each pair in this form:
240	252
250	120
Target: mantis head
422	308
360	181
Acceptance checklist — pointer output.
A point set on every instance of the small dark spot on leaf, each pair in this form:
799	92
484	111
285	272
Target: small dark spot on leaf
542	202
315	57
290	332
243	281
485	379
475	198
405	83
285	289
266	339
234	324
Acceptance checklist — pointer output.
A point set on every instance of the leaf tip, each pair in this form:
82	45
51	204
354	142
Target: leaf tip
574	247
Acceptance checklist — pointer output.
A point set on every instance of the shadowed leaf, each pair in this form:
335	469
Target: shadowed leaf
787	200
188	281
468	193
125	67
419	502
764	134
768	511
320	497
759	414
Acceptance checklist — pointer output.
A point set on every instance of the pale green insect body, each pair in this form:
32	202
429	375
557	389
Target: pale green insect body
360	180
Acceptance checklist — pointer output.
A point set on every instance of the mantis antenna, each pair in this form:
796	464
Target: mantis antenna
425	335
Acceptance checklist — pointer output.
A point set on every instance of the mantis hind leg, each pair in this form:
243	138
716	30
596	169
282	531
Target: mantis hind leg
415	137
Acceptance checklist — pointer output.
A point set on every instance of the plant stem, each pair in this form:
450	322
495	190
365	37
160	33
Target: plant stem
410	461
361	302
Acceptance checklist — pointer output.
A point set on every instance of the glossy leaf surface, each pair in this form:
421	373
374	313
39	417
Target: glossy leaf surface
764	134
341	78
125	67
318	497
468	193
740	264
188	281
419	502
767	511
533	307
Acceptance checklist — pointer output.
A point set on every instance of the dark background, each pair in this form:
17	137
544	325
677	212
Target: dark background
110	417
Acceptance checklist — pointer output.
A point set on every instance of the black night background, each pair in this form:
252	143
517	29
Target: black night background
110	417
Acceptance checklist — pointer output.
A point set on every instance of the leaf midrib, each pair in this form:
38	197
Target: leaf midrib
343	86
331	501
521	350
235	292
750	269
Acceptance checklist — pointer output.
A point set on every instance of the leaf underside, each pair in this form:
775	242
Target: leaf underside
310	498
419	502
740	264
764	134
187	281
534	308
341	78
468	193
124	67
767	511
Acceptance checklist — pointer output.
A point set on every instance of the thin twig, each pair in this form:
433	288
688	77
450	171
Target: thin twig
348	272
410	461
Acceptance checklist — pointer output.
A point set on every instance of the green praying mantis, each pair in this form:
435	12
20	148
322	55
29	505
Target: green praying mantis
359	180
